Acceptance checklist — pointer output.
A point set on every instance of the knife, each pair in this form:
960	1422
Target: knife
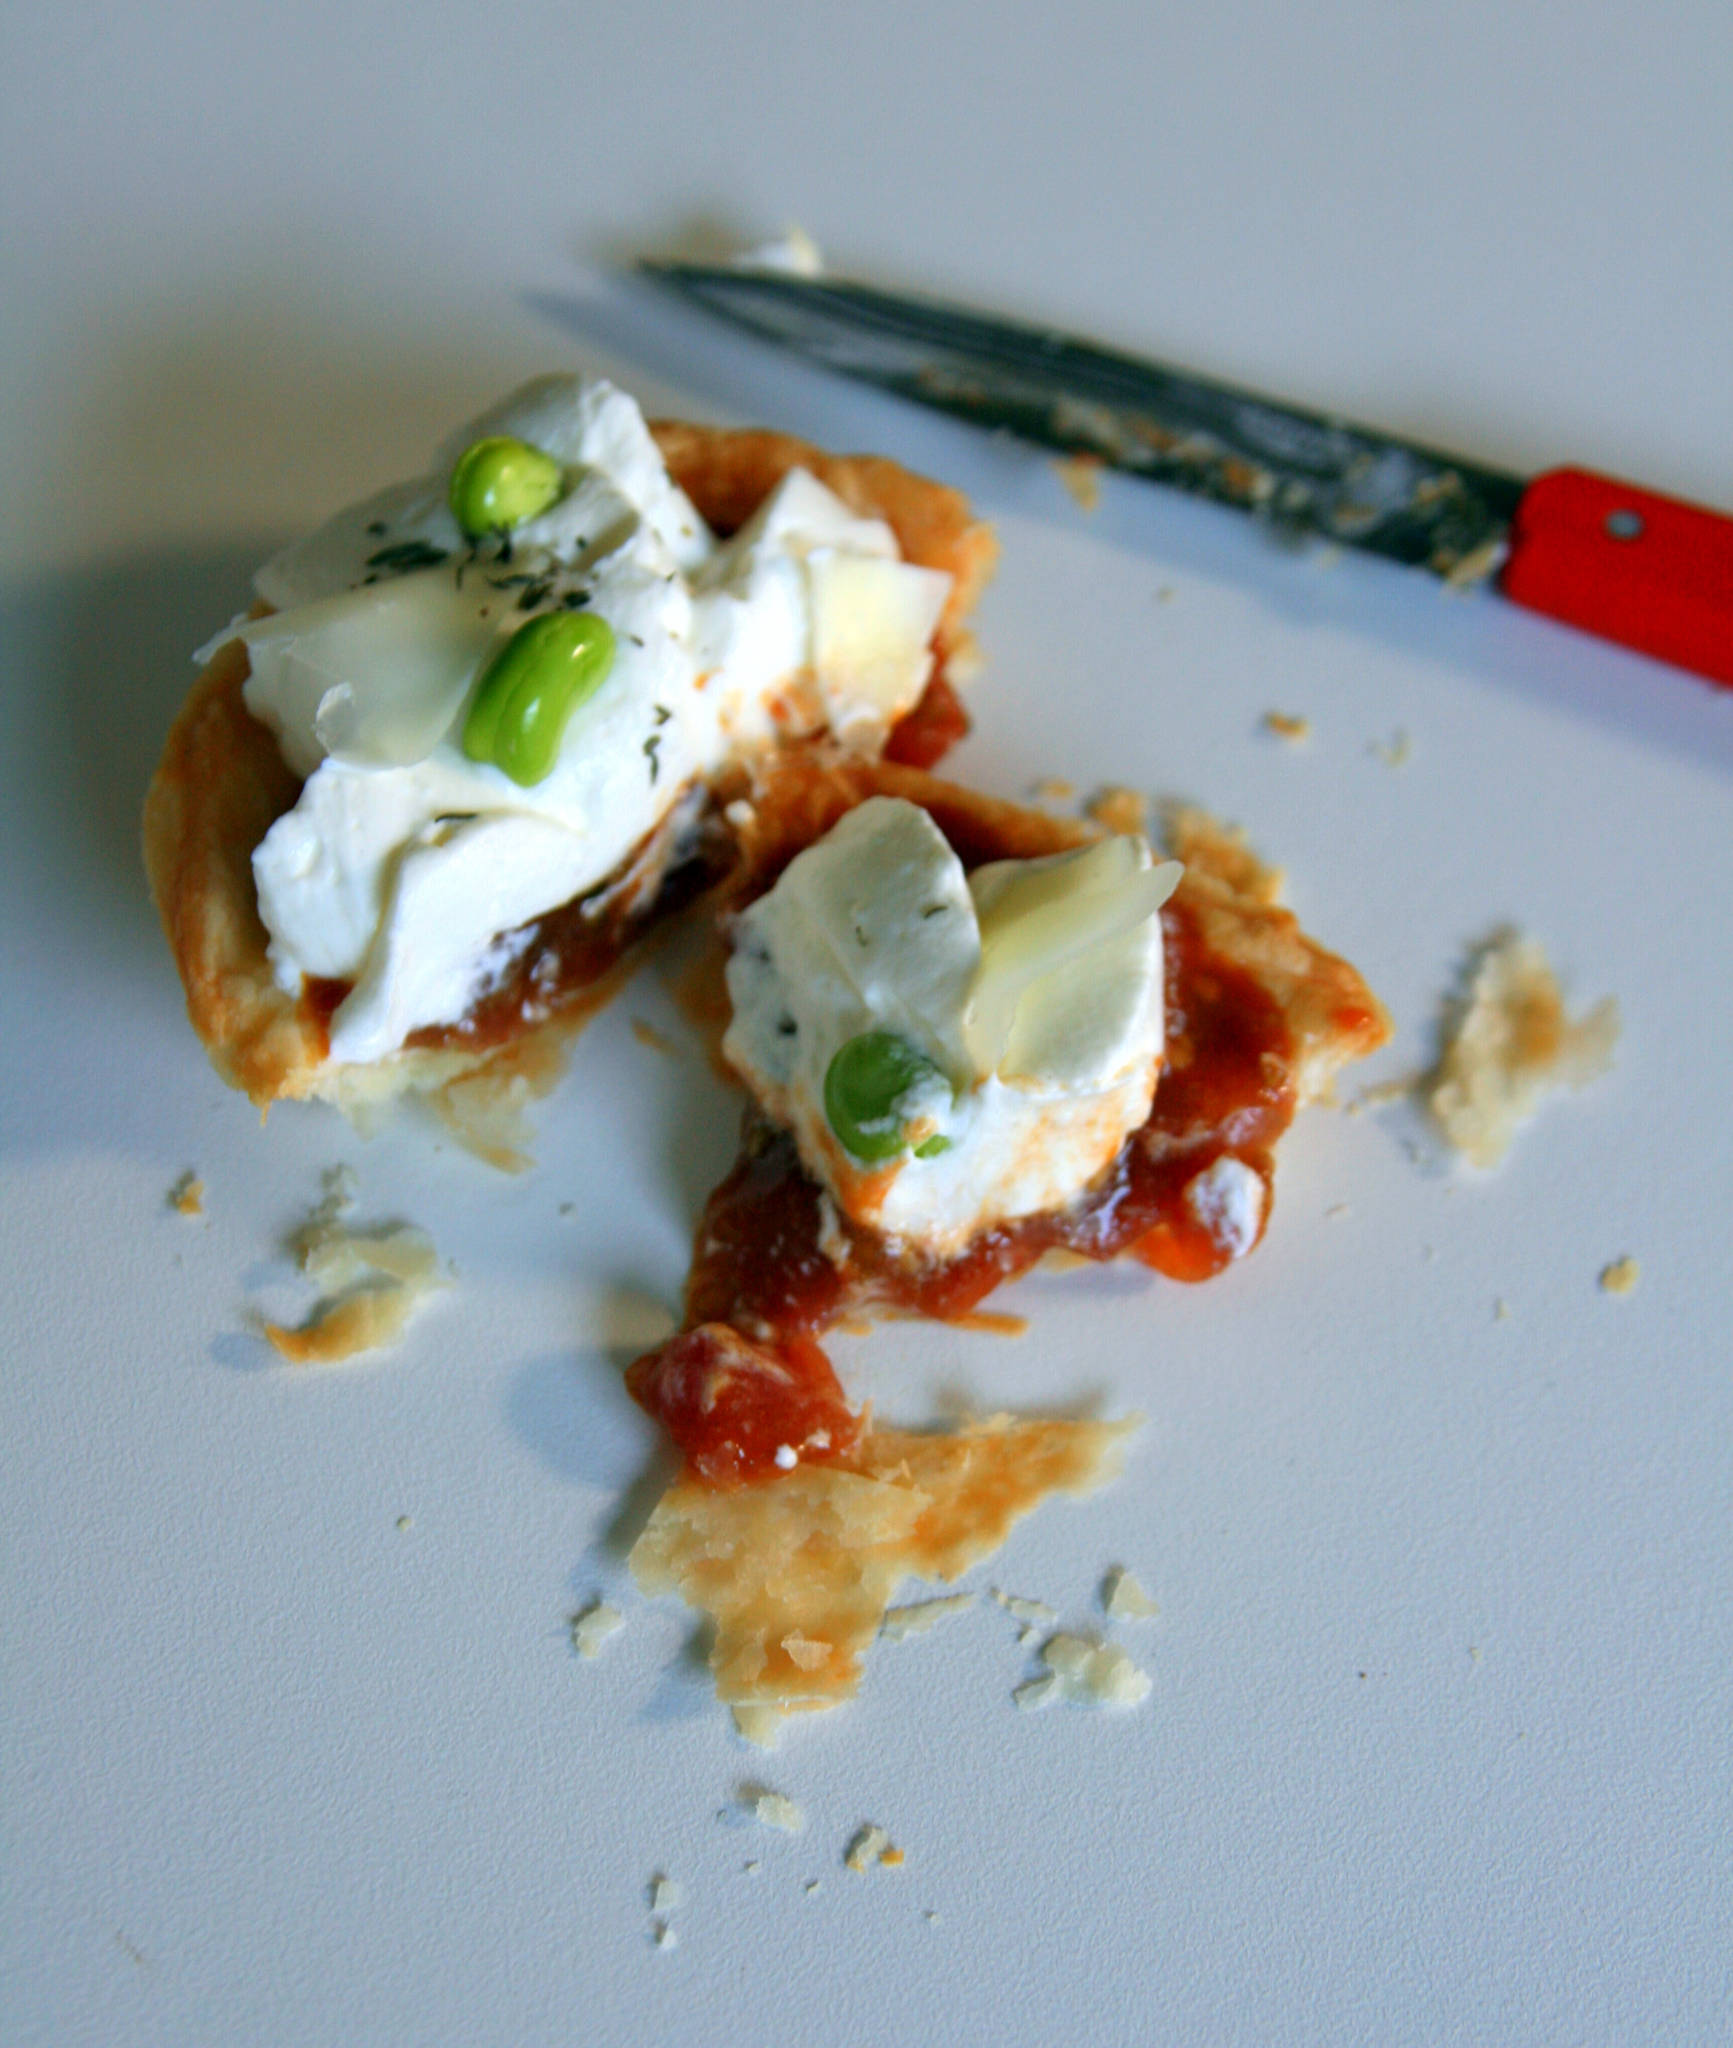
1610	558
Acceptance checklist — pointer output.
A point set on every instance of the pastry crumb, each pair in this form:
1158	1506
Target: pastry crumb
1118	809
663	1935
760	1725
664	1894
1124	1599
1081	476
1511	1044
1501	1310
920	1615
1621	1276
1088	1673
1036	1611
772	1810
1395	752
872	1849
1288	726
187	1196
1336	1211
370	1281
592	1626
404	1522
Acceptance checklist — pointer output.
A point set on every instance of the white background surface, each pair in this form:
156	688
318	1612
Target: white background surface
1438	1744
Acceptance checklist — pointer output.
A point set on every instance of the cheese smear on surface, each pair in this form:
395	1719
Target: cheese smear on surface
1033	989
406	868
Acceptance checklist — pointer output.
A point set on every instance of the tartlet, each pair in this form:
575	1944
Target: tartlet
795	1518
222	782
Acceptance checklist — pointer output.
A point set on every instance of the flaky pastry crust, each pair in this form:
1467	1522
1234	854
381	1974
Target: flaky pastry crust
222	783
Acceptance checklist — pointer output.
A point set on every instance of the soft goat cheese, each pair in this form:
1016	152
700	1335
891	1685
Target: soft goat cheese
404	867
878	928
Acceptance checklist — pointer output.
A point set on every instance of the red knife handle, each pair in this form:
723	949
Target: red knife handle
1649	572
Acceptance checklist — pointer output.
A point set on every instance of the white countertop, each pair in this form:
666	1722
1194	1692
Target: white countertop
294	1745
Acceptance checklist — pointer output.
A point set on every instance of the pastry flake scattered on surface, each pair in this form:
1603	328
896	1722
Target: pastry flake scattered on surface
872	1849
1621	1276
1288	726
1032	1614
187	1196
593	1626
773	1810
1123	1597
1081	476
1512	1045
812	1560
1086	1673
921	1615
370	1281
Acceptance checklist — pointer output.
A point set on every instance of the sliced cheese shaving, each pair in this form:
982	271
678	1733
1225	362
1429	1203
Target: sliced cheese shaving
1046	920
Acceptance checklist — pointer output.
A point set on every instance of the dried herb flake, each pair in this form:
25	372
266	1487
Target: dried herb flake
404	555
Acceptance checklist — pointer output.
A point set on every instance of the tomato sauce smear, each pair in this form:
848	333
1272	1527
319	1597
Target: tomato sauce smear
746	1378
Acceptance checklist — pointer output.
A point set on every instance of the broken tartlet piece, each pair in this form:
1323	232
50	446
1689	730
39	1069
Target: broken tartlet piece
469	745
974	1035
1509	1043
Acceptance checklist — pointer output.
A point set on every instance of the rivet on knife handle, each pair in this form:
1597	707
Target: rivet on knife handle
1650	572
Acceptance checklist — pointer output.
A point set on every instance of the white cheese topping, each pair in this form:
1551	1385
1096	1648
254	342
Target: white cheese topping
405	867
877	929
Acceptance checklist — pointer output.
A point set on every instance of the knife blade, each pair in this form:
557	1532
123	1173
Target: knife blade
1611	558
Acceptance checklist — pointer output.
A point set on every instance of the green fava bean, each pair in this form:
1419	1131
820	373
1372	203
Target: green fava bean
500	482
544	672
864	1087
